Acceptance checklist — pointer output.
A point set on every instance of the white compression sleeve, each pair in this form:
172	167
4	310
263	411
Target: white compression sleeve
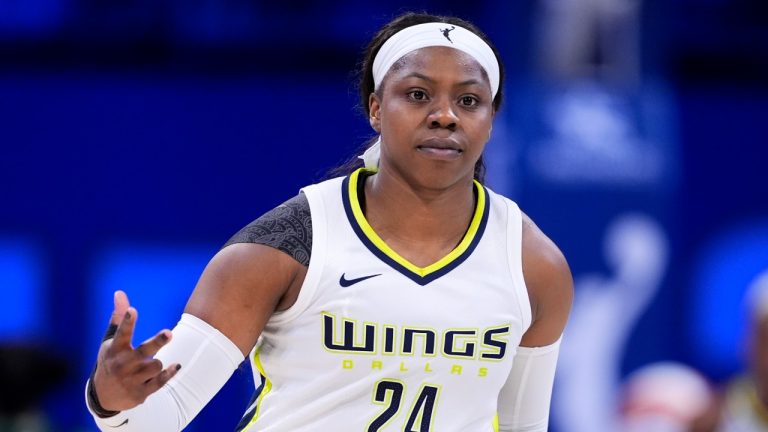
208	359
524	400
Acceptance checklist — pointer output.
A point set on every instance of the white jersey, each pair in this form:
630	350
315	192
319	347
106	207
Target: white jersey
375	343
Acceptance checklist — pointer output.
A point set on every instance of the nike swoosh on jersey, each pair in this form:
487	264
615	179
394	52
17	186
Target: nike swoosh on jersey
349	282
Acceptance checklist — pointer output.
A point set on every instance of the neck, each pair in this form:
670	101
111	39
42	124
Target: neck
413	215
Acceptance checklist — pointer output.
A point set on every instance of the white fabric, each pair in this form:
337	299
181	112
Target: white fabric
371	156
435	34
306	386
524	400
207	360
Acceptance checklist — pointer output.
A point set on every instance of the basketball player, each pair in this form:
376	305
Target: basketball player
402	296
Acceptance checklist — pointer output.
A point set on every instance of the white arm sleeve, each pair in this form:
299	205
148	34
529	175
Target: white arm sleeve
524	399
208	359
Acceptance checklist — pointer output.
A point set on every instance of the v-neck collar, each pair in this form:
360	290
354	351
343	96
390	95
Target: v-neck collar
420	275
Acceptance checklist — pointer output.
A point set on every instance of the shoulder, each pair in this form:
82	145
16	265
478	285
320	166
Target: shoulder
541	257
549	282
287	228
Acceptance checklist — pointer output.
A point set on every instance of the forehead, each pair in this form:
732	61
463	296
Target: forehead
439	61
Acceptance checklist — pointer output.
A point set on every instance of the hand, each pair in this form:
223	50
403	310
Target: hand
125	376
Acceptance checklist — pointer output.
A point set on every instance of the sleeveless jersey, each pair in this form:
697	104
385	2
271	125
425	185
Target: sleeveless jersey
375	343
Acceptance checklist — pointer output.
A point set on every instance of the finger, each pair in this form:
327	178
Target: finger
121	306
160	379
151	346
148	370
124	333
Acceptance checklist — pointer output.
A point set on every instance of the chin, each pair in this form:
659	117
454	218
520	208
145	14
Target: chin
442	176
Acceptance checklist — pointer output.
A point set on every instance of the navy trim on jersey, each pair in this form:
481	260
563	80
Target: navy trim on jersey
421	280
248	416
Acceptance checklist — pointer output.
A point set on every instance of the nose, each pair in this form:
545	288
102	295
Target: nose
443	116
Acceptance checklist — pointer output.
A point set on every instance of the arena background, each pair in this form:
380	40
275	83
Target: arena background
137	136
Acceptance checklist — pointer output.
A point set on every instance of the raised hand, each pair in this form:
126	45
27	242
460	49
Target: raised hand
125	375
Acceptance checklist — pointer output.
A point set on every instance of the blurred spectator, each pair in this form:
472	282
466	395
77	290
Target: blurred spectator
668	397
746	396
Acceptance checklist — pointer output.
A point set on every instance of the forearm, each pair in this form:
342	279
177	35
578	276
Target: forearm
208	359
524	400
159	412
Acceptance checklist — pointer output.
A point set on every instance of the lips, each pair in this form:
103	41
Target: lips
440	148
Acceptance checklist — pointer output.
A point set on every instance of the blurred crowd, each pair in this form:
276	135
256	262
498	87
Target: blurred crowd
673	397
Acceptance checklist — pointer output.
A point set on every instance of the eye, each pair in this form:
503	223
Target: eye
469	101
417	95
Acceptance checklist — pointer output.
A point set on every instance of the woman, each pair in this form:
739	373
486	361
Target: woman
404	296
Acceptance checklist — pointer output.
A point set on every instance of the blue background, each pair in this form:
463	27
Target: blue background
137	136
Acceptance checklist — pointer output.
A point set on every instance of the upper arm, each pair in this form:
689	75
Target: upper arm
259	270
240	289
550	286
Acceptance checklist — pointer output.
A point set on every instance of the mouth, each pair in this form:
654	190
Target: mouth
440	149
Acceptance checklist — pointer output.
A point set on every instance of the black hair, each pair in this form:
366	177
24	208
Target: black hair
366	85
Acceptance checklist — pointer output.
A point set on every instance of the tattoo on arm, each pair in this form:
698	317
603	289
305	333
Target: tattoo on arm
287	228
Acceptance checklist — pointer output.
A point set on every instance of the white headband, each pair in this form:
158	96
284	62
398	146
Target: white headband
435	34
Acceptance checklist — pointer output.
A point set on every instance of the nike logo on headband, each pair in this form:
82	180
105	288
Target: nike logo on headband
446	31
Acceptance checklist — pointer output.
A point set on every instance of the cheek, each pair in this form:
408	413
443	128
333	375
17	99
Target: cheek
397	121
481	130
482	119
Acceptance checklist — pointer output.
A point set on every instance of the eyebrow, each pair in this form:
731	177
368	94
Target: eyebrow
470	81
420	76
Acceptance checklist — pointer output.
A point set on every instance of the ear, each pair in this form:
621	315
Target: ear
374	108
